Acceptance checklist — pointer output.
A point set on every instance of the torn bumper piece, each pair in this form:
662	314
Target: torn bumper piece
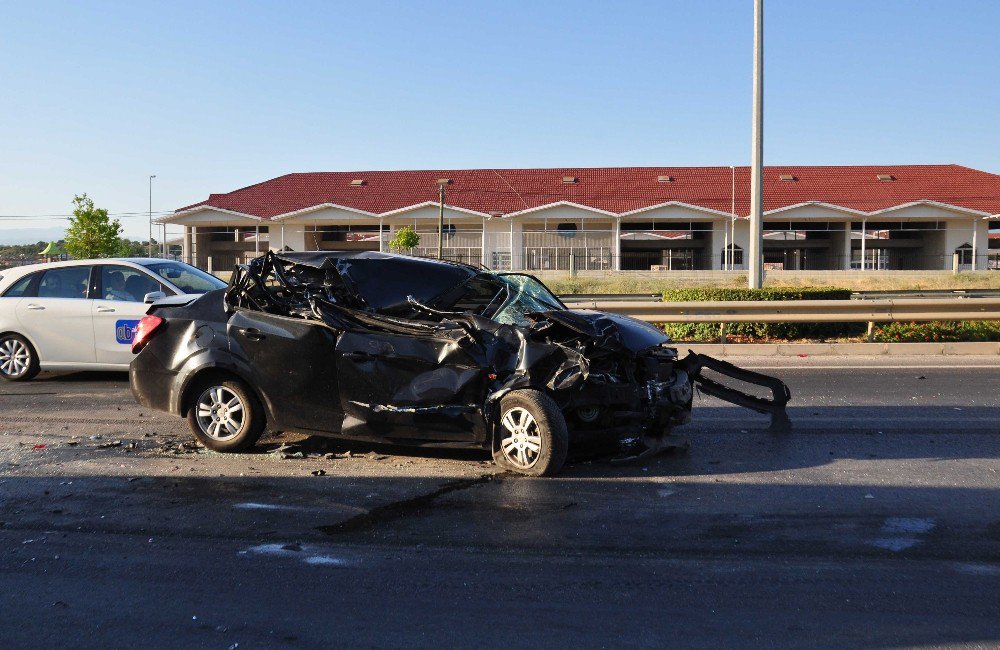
695	363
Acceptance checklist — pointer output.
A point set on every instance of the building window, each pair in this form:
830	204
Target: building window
964	253
737	255
350	233
223	233
567	230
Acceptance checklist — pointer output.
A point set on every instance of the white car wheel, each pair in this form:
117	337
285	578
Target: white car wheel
17	359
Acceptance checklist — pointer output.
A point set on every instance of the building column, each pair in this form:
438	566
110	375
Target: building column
864	243
618	244
516	249
846	250
294	237
975	243
186	245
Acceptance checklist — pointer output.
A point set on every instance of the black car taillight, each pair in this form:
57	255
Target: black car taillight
144	331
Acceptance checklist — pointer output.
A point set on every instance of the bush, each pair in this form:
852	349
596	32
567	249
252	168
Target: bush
760	331
405	239
943	331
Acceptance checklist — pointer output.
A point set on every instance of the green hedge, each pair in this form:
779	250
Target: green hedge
938	331
710	331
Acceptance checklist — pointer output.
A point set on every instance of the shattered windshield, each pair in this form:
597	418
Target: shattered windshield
526	295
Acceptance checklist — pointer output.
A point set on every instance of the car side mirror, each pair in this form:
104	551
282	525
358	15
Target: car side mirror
153	296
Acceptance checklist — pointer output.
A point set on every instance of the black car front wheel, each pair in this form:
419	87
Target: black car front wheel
225	415
531	435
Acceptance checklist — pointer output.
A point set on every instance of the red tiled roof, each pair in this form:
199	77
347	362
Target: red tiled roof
618	189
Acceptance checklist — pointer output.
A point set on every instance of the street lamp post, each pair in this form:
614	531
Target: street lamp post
756	274
150	247
442	184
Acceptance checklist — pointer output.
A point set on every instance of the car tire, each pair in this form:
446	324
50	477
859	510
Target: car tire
225	415
531	434
18	359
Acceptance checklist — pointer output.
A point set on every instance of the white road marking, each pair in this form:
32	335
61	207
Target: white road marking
251	505
325	559
263	506
304	552
911	525
977	569
895	544
900	532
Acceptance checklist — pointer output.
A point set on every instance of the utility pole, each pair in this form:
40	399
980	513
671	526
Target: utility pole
756	274
442	184
150	251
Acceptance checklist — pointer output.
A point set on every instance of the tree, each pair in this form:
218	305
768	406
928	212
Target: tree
405	239
92	233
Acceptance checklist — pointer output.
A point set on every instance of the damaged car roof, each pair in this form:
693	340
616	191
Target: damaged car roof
386	281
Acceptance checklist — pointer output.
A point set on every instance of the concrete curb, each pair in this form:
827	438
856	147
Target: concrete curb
842	349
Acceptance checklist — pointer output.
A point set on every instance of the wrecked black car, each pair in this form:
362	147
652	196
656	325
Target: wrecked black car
413	351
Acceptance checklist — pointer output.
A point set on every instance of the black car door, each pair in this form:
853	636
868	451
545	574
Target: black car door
420	387
294	367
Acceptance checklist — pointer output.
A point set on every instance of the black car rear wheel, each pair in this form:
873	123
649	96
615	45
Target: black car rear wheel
531	436
18	361
225	415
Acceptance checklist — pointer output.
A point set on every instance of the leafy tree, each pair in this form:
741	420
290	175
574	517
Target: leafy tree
92	233
135	248
405	239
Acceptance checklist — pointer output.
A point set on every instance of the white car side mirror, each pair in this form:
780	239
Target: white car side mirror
153	296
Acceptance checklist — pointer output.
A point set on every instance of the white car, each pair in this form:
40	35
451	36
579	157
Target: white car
81	315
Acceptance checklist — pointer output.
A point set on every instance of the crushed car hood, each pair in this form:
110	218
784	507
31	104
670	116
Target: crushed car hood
609	330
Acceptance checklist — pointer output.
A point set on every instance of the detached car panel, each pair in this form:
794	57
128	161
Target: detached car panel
407	350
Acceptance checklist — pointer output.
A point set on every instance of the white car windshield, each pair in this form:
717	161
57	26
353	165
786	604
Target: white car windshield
186	277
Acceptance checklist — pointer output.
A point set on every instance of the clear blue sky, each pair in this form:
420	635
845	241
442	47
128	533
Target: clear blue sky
215	96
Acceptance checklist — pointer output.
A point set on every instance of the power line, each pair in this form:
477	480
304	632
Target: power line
117	215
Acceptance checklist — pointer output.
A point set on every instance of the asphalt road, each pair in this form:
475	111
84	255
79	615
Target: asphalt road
874	523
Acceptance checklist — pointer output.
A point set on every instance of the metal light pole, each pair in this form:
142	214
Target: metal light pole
442	184
756	274
150	251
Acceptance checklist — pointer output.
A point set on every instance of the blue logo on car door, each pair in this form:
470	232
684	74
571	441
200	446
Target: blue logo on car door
125	330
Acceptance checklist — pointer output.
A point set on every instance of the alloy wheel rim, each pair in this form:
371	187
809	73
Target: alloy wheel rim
220	413
522	444
14	358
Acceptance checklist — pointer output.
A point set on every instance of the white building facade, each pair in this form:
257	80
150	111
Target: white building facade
561	226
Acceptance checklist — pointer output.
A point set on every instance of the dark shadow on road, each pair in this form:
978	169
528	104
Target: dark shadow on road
91	376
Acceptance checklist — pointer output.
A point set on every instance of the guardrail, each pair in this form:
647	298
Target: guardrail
803	311
576	298
806	311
